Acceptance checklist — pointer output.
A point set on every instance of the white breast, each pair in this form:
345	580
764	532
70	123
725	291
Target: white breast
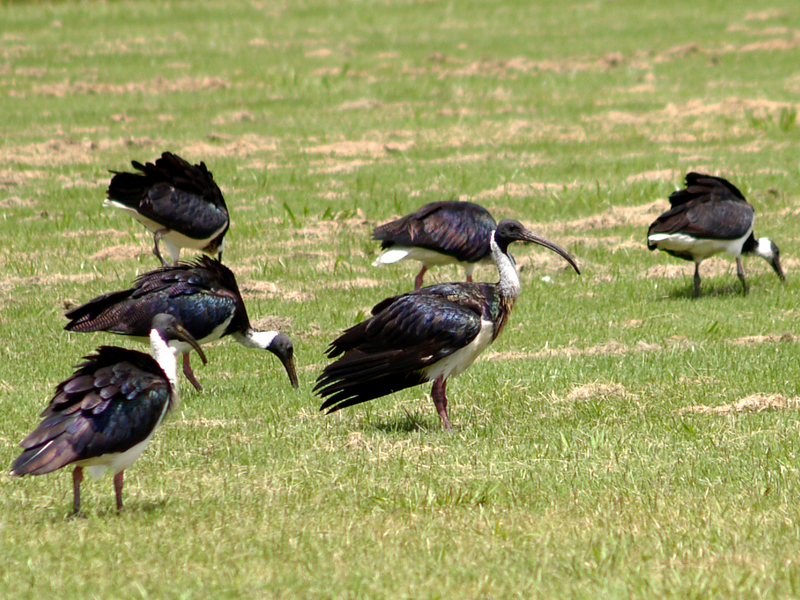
461	359
699	248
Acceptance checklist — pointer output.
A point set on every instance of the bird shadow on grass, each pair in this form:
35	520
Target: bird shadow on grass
408	424
687	293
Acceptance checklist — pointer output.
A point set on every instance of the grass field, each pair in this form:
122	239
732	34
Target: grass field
621	439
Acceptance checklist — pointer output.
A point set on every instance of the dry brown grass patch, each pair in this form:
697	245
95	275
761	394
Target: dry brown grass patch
360	148
157	85
764	339
119	252
596	391
752	403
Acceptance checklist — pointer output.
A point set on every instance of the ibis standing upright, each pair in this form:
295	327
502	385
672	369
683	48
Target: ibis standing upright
178	202
429	334
203	295
439	233
104	415
710	216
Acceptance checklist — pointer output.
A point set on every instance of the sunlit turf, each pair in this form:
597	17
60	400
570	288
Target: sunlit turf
580	465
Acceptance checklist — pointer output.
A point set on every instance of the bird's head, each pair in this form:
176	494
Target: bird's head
169	329
768	250
280	345
510	230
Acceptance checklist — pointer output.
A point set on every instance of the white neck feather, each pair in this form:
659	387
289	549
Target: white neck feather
509	279
165	357
256	339
764	248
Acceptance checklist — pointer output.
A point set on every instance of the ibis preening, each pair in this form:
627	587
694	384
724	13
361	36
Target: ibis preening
203	295
439	233
429	334
710	216
103	416
178	202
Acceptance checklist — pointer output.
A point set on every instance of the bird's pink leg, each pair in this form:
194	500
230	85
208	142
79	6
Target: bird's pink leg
156	251
118	480
439	395
77	477
418	280
187	370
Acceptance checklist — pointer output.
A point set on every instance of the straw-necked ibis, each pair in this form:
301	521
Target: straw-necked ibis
178	202
429	334
710	216
203	295
104	415
439	233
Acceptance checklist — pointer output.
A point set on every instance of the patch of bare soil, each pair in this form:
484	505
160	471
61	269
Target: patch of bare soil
119	252
619	216
716	266
361	148
104	233
14	177
272	323
753	403
613	243
155	86
610	348
360	104
543	261
271	291
766	15
356	282
671	175
63	151
16	202
203	422
596	391
238	116
11	283
516	190
239	145
764	339
345	167
328	229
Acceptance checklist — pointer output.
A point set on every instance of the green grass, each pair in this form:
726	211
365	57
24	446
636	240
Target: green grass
574	470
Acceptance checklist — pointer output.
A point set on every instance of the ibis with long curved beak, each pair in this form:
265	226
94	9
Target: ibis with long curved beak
203	295
430	334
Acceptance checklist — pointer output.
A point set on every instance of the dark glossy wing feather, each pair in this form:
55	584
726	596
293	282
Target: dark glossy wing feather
705	187
201	294
459	229
173	193
709	208
112	402
387	352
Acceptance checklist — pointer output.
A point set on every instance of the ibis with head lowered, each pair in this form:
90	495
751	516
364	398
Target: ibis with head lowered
203	295
710	215
179	203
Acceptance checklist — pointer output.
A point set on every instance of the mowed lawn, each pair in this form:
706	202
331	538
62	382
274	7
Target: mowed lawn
620	440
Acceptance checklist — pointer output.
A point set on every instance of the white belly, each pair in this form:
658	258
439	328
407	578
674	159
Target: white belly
460	360
427	257
118	461
699	248
173	240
